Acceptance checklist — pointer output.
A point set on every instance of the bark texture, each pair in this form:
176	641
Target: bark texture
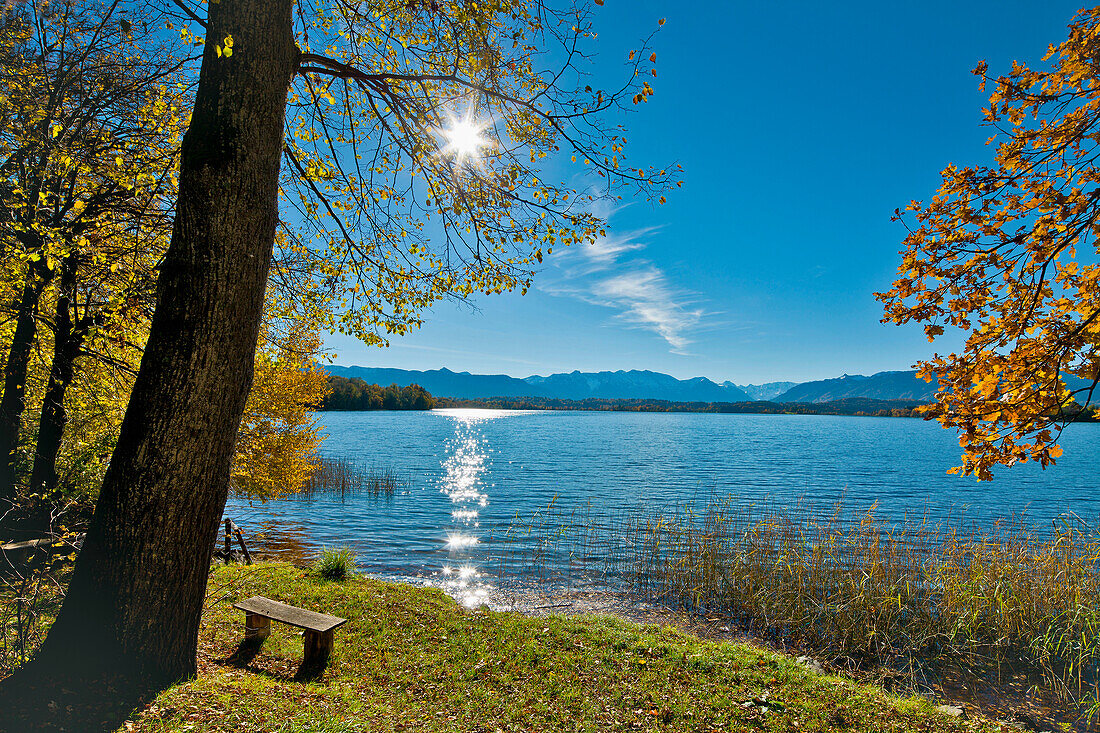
13	402
133	605
68	337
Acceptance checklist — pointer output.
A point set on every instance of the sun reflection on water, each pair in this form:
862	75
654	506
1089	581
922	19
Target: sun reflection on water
463	480
465	467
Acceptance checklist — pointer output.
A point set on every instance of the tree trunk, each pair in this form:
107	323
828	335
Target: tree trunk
67	340
13	402
133	606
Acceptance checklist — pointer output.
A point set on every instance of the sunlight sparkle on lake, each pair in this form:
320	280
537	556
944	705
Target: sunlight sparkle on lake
477	414
457	540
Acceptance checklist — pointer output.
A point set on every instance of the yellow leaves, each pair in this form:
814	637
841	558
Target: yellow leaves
277	440
225	48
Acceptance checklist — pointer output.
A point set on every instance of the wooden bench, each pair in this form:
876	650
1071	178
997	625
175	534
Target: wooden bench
260	612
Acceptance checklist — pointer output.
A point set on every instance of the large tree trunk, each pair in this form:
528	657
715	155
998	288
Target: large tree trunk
68	337
13	402
133	606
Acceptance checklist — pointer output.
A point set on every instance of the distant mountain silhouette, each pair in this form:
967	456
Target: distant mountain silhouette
633	384
766	391
881	386
442	382
646	385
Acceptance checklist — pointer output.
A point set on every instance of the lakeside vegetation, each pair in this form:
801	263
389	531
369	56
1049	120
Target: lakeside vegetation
1009	608
413	659
344	478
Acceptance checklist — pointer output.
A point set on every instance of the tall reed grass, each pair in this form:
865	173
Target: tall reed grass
343	478
859	591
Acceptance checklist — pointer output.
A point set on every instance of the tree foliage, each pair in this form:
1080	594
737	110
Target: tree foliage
88	179
1007	252
87	160
357	394
391	214
277	441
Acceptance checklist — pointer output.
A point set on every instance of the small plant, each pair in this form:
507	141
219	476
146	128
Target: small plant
335	564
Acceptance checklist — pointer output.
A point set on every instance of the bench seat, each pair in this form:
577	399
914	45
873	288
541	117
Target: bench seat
260	612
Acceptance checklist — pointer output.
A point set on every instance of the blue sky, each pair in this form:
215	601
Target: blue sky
801	126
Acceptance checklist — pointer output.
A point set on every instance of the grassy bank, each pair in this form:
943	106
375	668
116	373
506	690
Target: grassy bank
1005	606
413	659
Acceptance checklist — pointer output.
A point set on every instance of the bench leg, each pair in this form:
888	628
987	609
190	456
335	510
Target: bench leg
256	627
318	647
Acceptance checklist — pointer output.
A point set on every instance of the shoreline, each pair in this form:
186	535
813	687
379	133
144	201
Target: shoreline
1007	702
953	689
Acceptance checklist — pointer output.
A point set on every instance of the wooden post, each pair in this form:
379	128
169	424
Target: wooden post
318	647
240	540
257	627
228	539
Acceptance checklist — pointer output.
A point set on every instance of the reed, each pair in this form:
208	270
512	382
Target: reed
858	591
343	478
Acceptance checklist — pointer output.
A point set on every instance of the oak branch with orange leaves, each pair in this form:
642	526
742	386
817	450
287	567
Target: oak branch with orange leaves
1008	254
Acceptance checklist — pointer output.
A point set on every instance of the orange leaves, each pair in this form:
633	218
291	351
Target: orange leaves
995	253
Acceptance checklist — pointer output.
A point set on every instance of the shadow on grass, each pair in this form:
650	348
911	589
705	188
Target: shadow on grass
31	701
245	654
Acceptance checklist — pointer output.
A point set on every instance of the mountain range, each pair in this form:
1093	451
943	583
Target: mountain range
881	386
766	391
638	384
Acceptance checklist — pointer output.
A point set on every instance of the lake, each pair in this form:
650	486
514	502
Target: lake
471	475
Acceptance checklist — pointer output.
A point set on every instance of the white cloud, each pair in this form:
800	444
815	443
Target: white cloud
648	301
606	250
608	273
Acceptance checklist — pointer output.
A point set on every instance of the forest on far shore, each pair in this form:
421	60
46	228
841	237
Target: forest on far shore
356	394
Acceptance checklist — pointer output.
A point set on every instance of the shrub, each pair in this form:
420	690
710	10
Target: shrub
335	564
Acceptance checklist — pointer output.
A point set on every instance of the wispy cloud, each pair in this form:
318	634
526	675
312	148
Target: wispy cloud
611	273
648	301
606	250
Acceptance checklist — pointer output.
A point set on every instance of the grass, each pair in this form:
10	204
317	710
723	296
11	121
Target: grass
335	564
412	659
926	600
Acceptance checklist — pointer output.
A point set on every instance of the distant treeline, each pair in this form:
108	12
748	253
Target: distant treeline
847	406
356	394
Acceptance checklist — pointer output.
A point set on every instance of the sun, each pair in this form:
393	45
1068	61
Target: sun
464	138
